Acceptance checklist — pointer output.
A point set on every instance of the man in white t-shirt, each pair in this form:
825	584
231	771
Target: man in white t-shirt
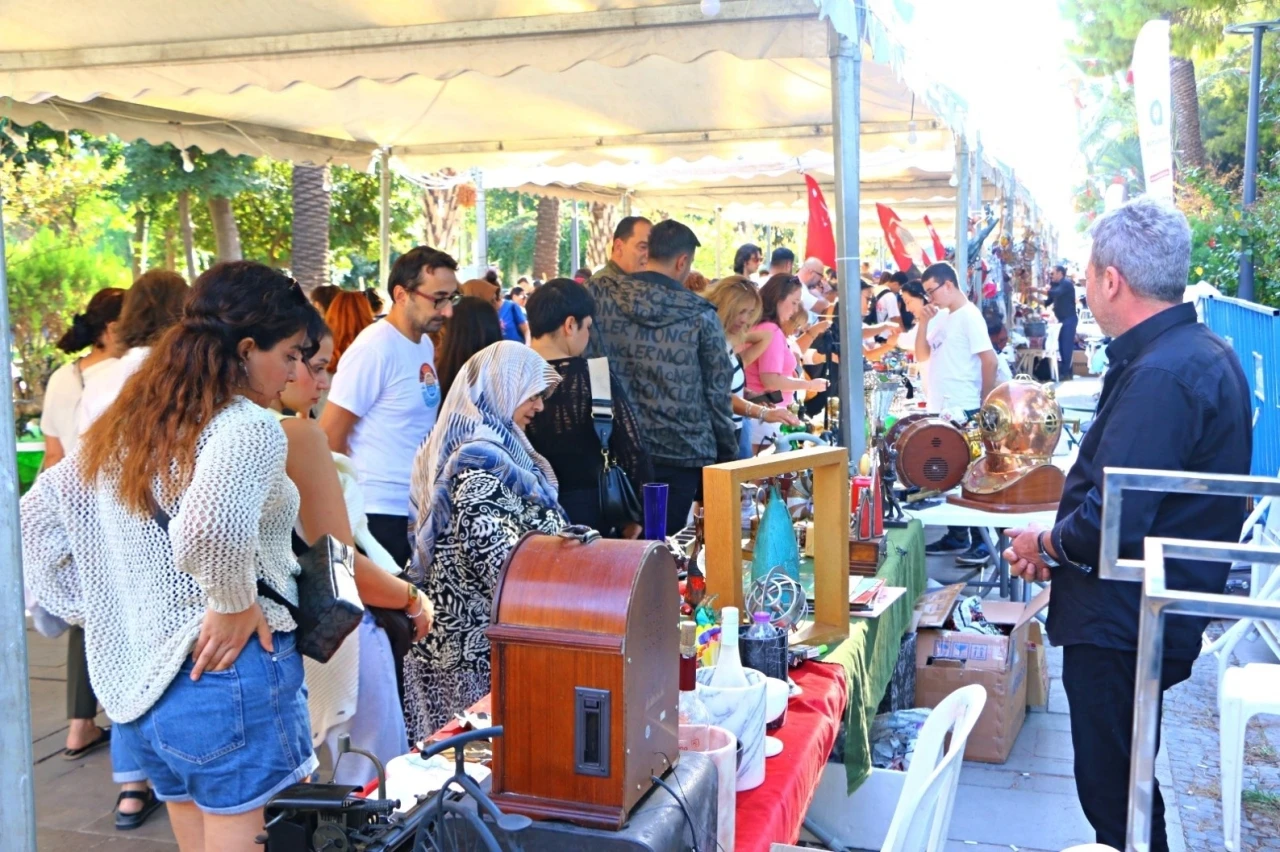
385	395
953	341
812	278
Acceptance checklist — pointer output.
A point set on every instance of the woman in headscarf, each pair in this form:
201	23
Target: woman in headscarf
477	487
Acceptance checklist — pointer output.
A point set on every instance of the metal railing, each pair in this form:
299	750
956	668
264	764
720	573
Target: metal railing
1159	601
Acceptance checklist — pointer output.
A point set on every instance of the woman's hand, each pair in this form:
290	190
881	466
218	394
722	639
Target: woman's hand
781	415
423	619
223	637
816	385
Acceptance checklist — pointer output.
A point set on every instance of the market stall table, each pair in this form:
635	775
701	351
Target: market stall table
775	811
871	652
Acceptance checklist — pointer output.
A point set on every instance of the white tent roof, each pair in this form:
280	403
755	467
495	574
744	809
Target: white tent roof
489	83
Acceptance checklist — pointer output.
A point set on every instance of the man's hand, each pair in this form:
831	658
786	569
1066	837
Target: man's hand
928	312
1023	555
223	637
820	326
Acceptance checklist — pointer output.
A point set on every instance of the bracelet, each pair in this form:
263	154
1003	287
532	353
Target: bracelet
413	615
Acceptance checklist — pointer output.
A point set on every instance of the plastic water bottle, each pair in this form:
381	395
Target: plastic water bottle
729	673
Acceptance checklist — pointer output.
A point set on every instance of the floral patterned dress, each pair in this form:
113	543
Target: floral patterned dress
448	671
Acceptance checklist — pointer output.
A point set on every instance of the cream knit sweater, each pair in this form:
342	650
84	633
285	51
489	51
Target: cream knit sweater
141	594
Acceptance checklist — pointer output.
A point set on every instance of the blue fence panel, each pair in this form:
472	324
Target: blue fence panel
1254	332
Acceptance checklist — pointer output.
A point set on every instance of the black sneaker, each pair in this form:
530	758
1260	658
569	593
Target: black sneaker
977	555
948	544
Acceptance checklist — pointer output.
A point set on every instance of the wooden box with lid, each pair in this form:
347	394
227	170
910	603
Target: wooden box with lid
585	655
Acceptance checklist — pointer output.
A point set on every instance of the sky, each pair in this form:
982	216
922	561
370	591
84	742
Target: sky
1008	60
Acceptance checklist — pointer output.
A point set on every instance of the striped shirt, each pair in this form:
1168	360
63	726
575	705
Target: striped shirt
738	386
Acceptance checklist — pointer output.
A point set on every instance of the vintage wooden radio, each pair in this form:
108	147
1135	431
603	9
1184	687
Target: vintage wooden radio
585	653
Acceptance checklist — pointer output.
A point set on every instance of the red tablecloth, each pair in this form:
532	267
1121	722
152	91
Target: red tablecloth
774	811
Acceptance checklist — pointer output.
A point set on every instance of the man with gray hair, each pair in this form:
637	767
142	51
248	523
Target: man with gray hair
1174	398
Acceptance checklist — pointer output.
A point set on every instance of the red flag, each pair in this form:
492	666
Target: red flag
939	250
906	252
821	241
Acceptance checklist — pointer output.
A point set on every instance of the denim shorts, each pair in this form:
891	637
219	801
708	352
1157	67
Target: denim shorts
231	740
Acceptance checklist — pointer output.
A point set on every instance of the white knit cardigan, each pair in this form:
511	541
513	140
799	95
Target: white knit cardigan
140	593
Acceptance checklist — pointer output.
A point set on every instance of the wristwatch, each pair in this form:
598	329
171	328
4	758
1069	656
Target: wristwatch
413	597
1044	554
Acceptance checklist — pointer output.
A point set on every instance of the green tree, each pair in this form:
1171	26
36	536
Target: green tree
1107	30
158	174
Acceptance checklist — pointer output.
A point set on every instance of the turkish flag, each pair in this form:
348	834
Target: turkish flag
821	241
906	253
939	250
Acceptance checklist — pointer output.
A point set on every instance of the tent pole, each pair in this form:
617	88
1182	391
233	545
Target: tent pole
718	238
18	805
384	214
975	185
846	116
574	242
962	211
482	225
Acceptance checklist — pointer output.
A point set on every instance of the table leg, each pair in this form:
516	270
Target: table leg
991	538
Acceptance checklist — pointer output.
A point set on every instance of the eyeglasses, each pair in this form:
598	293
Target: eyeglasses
929	293
438	301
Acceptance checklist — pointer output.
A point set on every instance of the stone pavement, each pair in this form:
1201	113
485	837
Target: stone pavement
1191	740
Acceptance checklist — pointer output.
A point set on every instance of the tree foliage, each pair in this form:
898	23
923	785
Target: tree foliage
1106	29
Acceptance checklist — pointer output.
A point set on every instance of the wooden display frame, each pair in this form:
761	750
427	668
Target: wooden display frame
722	499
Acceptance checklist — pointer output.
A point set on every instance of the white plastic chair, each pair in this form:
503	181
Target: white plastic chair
1246	691
923	814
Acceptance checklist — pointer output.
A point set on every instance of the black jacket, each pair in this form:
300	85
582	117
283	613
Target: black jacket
1174	398
1062	297
667	349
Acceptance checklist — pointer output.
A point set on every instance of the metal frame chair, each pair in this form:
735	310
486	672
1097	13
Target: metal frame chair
1158	601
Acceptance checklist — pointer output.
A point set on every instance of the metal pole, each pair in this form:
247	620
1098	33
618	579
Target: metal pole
1007	287
384	215
18	804
574	244
482	225
1245	290
715	230
846	118
975	184
962	210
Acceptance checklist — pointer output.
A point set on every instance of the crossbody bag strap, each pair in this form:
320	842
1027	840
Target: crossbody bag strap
601	401
162	518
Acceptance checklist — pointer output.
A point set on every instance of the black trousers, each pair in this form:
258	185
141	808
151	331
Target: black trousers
392	532
684	485
1067	348
1099	683
81	702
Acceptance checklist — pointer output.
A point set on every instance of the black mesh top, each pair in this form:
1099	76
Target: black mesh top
564	435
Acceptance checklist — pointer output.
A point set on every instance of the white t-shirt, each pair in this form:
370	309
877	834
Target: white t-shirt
62	398
808	300
1004	369
101	387
955	370
887	306
389	382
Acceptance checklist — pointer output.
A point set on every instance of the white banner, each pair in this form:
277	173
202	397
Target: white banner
1151	94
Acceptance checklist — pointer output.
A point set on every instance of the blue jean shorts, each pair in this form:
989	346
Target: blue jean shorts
231	740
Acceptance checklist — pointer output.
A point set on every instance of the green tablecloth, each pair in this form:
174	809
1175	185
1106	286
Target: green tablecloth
871	652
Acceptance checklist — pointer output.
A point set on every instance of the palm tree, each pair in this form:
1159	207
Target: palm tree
546	241
310	249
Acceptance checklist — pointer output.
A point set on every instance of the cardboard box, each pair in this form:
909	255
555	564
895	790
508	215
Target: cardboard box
947	660
1037	666
1080	363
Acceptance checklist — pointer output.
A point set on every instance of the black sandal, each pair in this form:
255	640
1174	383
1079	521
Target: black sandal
128	822
76	753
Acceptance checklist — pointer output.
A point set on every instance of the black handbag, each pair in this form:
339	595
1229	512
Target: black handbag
768	398
329	606
619	504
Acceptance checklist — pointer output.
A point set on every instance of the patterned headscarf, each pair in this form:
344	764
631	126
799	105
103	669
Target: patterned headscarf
476	430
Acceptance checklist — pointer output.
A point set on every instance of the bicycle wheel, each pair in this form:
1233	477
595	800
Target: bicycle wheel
453	827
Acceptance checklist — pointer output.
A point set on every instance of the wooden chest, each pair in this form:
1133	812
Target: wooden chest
585	654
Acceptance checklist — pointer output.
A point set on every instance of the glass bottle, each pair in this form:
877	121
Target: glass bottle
729	673
699	539
693	715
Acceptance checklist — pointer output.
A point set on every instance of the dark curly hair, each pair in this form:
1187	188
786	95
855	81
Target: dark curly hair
87	328
151	431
